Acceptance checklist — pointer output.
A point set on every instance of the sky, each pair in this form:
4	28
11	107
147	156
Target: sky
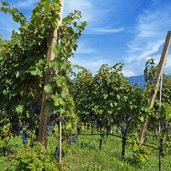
127	31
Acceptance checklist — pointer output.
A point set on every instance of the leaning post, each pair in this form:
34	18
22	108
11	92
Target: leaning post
157	78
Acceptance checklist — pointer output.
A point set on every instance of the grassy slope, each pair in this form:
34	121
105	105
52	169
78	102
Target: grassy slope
85	156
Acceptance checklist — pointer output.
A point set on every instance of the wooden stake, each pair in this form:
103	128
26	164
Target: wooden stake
100	143
158	75
60	141
48	77
160	133
160	154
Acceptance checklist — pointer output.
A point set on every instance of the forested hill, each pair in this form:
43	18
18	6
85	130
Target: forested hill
139	80
169	76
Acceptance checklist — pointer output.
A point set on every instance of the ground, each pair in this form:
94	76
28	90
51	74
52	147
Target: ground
85	155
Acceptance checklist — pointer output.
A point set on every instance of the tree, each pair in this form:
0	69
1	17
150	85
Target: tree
24	66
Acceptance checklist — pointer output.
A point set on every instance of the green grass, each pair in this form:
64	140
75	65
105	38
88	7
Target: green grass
86	155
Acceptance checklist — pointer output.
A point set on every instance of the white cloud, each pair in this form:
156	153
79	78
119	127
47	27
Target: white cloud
128	73
110	30
8	25
168	62
92	64
96	16
27	4
85	6
153	22
97	30
157	59
149	49
6	19
84	47
150	32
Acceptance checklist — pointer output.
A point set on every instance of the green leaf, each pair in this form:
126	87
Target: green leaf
5	3
17	74
111	104
118	96
60	100
141	119
19	108
69	126
64	93
48	88
56	101
34	72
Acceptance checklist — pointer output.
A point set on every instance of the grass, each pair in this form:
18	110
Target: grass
86	155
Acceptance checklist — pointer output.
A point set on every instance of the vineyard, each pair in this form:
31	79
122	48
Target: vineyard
58	116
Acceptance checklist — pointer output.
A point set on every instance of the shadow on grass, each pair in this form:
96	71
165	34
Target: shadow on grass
87	145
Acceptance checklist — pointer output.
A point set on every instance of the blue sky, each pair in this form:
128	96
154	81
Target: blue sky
129	31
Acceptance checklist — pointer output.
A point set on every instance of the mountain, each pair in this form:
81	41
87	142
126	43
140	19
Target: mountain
137	80
168	76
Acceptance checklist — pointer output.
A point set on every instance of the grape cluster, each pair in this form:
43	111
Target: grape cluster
53	119
78	129
57	152
73	138
50	127
23	133
24	137
35	108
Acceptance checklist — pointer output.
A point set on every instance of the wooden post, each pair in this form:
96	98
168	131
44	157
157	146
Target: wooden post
60	141
156	83
48	77
100	143
160	134
160	154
